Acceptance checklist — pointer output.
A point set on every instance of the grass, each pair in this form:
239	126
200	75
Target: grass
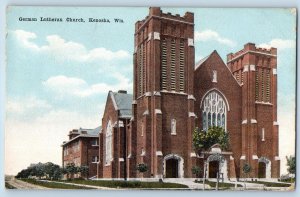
271	184
9	186
289	180
221	185
54	185
127	184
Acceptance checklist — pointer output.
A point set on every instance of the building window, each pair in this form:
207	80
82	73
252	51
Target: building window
95	142
268	86
263	134
173	65
164	64
181	66
95	159
214	76
256	84
173	127
213	111
108	143
65	150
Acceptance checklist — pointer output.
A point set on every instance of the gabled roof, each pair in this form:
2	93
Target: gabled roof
200	62
122	102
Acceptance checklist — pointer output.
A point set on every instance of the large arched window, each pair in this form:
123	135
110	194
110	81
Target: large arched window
108	143
213	111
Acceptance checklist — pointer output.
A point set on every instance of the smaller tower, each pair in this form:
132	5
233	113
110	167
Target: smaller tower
256	70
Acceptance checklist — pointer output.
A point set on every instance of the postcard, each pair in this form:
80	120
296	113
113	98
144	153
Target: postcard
115	98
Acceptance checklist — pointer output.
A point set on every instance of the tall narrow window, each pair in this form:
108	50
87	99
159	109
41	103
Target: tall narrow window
268	86
108	143
141	67
263	134
164	64
144	67
181	66
214	108
214	76
173	65
242	77
256	84
173	127
262	85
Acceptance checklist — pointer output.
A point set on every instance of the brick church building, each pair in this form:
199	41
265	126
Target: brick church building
172	96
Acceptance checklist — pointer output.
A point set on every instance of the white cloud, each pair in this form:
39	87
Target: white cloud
208	35
39	140
68	50
26	104
280	44
63	85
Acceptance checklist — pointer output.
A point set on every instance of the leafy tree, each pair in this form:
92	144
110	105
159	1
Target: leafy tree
291	163
71	169
246	170
196	170
141	167
203	140
84	170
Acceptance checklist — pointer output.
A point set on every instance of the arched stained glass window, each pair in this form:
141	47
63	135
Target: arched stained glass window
213	111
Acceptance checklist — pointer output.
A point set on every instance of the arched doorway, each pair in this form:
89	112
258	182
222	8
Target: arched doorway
261	170
213	169
173	166
216	163
264	168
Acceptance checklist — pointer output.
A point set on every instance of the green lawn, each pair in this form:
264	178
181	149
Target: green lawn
221	185
271	184
53	185
128	184
9	186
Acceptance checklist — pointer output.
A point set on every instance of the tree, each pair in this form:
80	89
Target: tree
291	163
71	169
246	170
203	140
196	170
141	168
84	170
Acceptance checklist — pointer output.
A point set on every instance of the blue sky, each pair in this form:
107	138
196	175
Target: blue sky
58	74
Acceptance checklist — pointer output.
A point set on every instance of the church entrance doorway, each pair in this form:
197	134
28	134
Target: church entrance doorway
213	169
172	168
262	170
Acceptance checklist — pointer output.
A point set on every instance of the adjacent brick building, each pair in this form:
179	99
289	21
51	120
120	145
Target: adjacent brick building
82	149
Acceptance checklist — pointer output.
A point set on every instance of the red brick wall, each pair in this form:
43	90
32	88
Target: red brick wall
228	86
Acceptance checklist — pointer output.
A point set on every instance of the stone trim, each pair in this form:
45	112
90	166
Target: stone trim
254	157
245	121
275	123
156	36
158	111
274	71
191	97
246	68
193	154
148	94
149	36
146	113
156	93
252	67
192	114
121	159
190	42
253	121
134	102
159	153
277	158
243	157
